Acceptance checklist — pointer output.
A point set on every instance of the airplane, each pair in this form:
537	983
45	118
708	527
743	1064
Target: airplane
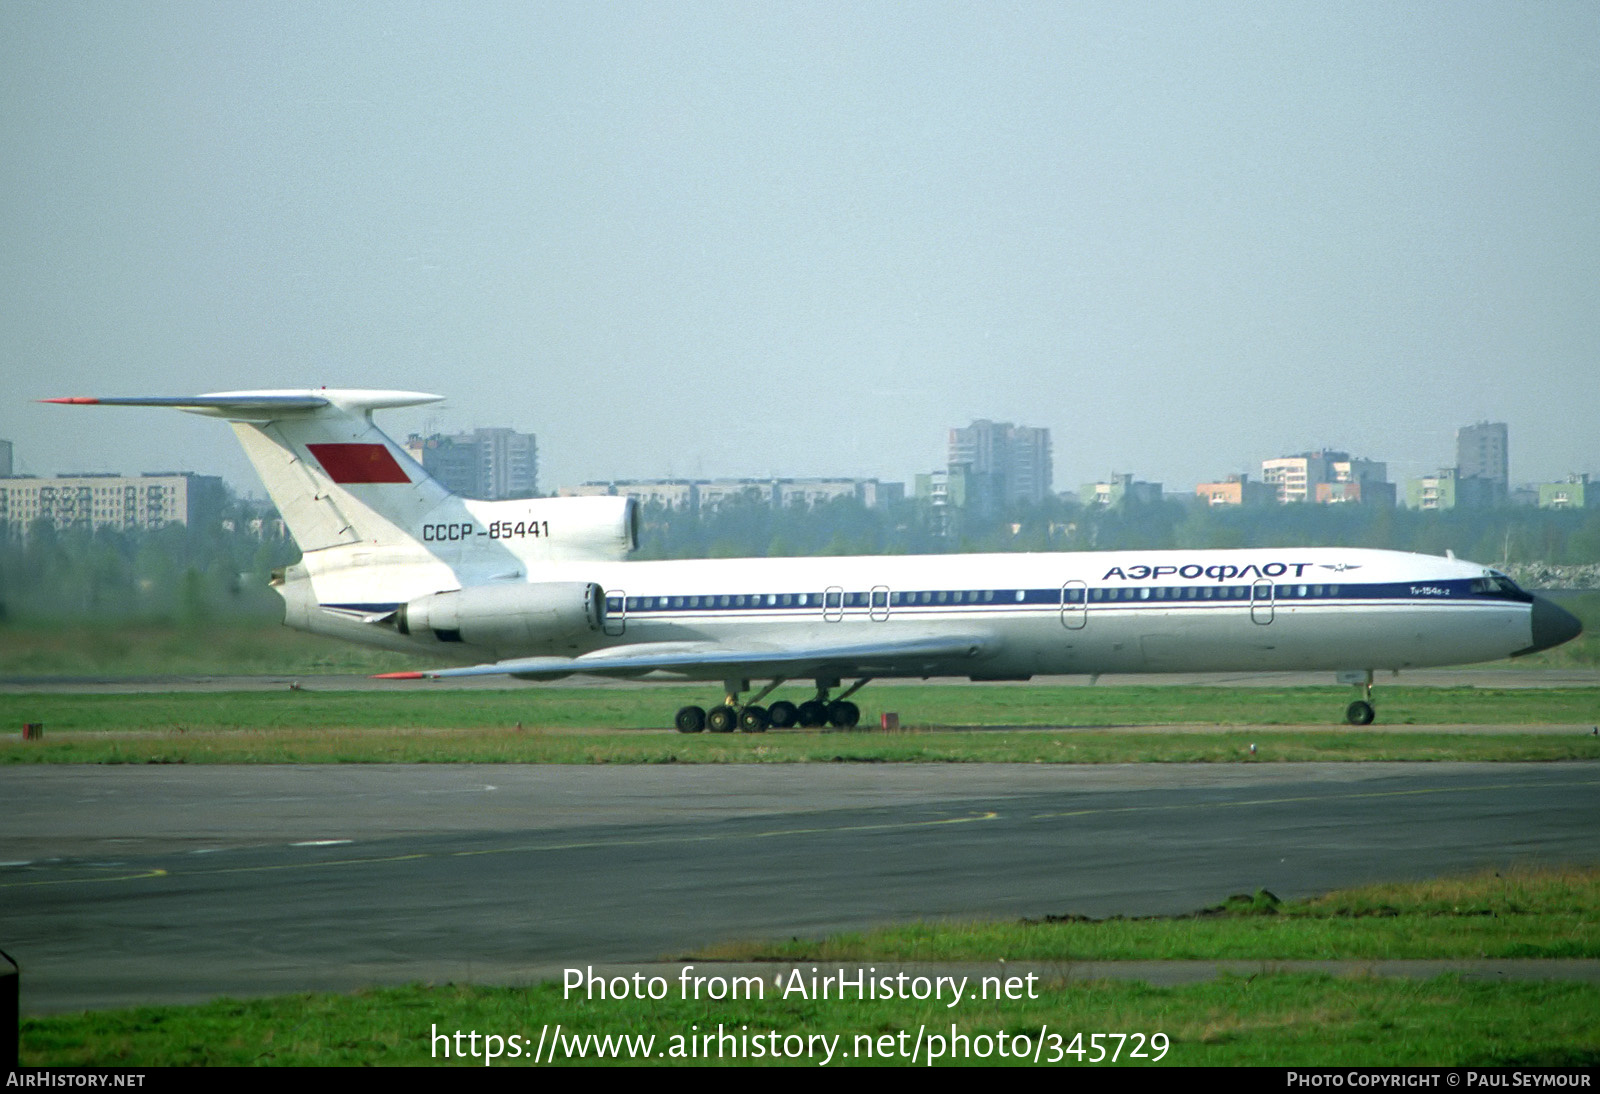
543	588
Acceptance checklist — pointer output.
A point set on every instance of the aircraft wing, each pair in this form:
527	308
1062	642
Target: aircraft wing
714	660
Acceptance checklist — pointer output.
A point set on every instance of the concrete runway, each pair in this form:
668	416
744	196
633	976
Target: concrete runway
133	884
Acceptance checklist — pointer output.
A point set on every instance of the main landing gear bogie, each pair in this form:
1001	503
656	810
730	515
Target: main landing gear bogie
815	713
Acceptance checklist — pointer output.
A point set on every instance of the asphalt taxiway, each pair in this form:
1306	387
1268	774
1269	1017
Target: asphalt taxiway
134	884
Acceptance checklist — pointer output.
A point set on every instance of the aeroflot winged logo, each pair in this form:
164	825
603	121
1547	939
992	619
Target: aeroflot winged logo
355	463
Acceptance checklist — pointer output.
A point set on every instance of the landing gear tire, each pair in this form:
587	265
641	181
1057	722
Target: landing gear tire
782	714
722	719
1359	713
753	720
843	714
690	720
813	714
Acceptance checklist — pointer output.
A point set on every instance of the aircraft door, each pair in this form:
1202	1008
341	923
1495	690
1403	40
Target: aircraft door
833	603
616	620
878	603
1074	605
1261	602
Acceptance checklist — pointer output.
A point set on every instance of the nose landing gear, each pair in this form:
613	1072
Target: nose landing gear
1360	712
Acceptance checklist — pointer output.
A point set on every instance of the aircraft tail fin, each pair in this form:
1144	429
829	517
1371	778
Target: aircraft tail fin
335	477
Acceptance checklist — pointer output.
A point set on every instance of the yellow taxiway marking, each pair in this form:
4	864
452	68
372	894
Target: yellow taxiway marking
142	875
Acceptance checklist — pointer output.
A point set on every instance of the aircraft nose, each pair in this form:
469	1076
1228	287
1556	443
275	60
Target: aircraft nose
1552	625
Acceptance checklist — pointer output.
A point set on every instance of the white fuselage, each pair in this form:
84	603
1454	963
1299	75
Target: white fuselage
1104	612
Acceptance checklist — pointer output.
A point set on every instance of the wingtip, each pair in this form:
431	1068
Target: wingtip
74	400
399	676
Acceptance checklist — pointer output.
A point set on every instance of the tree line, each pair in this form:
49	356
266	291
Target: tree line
844	526
177	573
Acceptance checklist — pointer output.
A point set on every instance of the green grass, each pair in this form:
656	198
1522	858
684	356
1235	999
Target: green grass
1271	1018
238	647
1268	1020
621	725
567	747
928	706
1529	914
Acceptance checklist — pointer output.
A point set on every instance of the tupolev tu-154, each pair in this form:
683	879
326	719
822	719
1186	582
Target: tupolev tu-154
543	588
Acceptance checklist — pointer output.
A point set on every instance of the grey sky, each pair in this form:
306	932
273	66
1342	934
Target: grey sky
744	238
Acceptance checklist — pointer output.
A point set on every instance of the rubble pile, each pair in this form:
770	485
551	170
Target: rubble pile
1549	575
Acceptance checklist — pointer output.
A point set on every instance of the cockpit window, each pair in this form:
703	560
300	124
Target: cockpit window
1496	584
